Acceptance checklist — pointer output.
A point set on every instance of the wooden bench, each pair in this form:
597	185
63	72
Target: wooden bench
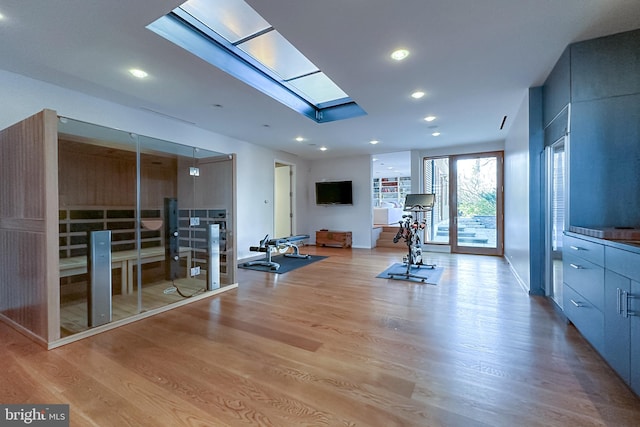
123	260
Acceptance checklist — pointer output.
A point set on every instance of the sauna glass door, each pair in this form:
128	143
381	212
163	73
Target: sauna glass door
97	201
183	223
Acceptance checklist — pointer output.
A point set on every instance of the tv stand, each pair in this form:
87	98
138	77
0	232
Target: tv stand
333	238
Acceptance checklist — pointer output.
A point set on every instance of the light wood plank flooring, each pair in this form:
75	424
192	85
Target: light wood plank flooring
331	345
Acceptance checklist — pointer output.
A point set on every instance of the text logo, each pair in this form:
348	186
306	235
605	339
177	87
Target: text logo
34	415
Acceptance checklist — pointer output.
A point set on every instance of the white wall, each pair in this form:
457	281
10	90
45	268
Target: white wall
357	218
22	97
463	149
516	190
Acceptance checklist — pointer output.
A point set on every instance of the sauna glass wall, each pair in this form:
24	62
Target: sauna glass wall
132	186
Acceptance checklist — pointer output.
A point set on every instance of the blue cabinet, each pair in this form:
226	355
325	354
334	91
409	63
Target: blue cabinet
617	326
605	67
601	297
634	311
583	288
622	308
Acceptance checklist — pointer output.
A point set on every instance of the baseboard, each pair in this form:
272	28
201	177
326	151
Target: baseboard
521	282
24	331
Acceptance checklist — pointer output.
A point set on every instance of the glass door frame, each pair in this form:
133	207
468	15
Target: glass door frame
550	253
453	214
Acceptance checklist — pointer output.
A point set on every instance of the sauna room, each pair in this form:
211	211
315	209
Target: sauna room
143	225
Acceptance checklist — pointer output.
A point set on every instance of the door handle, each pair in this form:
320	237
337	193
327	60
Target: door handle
625	303
575	248
619	300
576	266
577	304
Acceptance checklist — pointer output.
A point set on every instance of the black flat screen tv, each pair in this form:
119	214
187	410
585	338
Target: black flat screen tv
334	193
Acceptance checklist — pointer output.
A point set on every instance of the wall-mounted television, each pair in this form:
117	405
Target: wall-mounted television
334	193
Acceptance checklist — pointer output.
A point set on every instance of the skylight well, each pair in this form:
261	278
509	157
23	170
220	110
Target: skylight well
231	35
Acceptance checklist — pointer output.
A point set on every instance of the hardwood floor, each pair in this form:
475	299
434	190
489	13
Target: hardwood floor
331	345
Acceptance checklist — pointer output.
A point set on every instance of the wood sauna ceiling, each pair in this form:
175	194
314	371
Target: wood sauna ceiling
474	60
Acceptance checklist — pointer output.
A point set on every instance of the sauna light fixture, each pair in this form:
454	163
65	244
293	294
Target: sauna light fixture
299	139
140	74
430	118
417	95
374	142
436	134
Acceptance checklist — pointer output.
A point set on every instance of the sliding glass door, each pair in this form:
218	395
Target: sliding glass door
468	214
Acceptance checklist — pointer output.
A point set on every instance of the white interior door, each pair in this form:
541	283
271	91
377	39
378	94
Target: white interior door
283	204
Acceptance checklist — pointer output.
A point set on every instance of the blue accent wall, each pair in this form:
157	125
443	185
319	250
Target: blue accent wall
536	192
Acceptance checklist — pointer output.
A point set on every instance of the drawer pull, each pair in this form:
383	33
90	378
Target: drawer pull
575	248
577	304
576	266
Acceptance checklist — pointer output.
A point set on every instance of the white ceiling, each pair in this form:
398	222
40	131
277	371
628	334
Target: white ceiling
475	59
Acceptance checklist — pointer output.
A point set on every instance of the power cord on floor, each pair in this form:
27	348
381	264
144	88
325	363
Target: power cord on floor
173	288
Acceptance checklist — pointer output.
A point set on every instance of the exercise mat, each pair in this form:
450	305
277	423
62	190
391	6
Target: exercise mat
286	263
422	274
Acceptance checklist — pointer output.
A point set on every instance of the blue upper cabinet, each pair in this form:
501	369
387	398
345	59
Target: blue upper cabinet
601	80
605	162
556	92
605	67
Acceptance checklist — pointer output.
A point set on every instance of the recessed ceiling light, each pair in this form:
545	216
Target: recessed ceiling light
374	142
140	74
417	95
399	54
436	134
323	148
299	138
430	118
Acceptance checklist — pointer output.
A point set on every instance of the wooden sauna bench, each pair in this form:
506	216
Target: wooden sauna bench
123	260
76	221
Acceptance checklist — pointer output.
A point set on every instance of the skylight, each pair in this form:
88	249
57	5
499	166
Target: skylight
235	38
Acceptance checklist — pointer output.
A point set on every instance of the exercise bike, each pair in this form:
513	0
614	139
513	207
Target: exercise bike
409	230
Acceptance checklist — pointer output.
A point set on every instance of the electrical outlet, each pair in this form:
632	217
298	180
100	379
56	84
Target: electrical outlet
195	271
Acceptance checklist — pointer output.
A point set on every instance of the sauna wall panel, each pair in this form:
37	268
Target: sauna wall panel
29	295
93	175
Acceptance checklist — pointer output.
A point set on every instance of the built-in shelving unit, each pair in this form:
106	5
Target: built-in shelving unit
392	189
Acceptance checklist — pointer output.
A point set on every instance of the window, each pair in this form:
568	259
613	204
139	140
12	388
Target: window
232	36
